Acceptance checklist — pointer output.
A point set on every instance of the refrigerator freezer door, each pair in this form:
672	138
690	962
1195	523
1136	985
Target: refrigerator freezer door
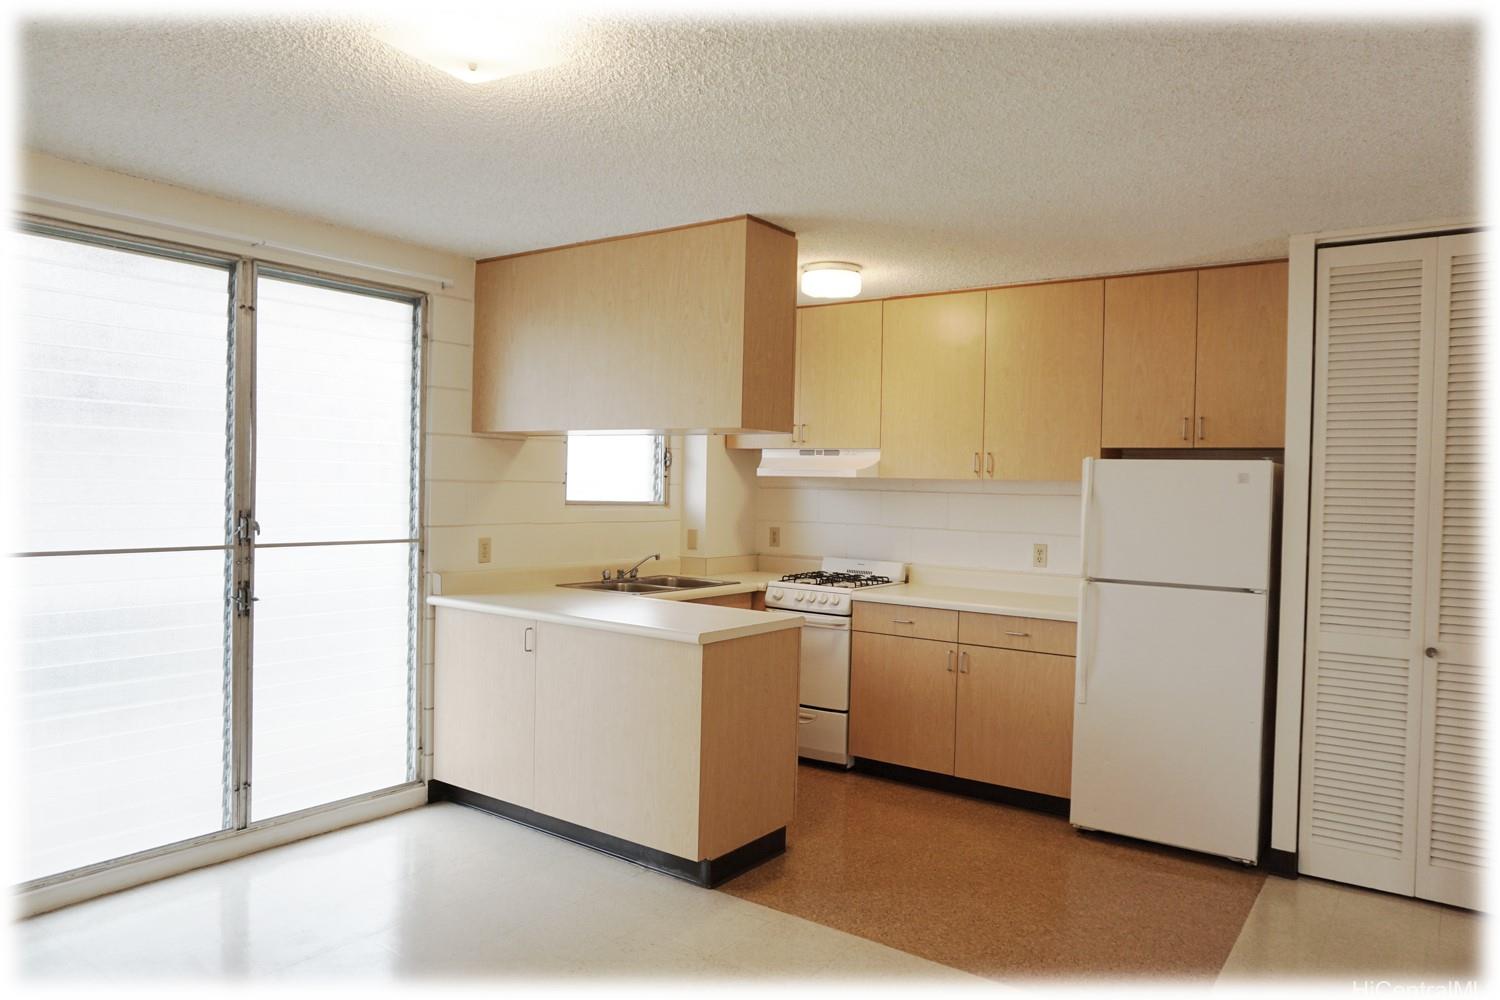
1167	732
1196	523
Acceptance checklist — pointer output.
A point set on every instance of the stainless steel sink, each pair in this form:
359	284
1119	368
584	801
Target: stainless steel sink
682	582
649	584
620	586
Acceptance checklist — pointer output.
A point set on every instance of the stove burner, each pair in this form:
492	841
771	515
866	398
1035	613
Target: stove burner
828	578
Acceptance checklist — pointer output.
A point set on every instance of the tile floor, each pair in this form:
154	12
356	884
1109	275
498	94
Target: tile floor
445	891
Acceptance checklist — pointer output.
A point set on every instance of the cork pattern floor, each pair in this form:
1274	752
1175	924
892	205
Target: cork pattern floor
995	890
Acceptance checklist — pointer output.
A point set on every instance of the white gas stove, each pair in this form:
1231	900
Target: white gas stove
824	597
826	591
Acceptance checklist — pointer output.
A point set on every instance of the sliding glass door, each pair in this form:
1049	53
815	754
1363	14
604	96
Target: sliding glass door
335	565
125	420
183	671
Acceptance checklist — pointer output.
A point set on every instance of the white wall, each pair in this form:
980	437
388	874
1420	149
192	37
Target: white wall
986	526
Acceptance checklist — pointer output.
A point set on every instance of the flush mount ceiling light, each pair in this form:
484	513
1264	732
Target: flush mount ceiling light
479	50
831	279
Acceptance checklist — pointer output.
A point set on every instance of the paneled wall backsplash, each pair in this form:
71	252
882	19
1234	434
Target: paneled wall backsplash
960	525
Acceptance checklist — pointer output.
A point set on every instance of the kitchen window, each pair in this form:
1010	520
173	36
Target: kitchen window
617	468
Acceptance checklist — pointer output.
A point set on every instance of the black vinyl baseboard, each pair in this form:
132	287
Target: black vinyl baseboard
1283	863
708	873
965	786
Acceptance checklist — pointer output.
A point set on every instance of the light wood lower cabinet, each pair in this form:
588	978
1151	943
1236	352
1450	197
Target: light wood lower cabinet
1015	719
746	601
901	700
484	704
998	715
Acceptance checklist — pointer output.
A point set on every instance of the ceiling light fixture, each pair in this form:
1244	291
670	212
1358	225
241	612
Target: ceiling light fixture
483	50
831	279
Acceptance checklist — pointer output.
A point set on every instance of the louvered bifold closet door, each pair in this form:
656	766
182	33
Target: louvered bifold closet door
1367	571
1452	798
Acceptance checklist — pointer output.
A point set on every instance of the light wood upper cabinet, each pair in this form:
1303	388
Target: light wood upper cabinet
484	704
1043	371
689	329
901	700
1150	332
932	387
1241	357
1015	719
838	377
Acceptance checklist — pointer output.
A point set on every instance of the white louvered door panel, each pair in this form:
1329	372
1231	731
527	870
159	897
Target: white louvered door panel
1452	794
1367	570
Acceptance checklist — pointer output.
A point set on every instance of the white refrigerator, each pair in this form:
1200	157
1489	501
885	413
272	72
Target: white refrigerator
1174	609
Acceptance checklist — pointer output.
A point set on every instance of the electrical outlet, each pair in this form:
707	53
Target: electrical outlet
1039	555
775	538
692	541
484	550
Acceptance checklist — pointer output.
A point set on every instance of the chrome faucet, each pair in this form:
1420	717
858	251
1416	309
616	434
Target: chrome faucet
634	571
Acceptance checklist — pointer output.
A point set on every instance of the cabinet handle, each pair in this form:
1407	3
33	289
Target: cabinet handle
902	621
989	463
976	463
1200	427
950	661
963	662
803	718
1184	428
526	645
1019	635
803	438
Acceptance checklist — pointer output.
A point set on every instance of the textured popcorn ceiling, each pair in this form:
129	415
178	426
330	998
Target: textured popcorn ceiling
938	155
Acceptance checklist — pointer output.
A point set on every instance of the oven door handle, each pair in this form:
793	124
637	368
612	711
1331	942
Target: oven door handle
837	628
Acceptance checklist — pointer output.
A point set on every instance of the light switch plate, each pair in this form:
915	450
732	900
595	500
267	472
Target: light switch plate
692	539
1039	555
484	550
775	538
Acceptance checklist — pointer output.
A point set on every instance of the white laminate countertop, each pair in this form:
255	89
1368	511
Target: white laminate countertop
1057	607
629	614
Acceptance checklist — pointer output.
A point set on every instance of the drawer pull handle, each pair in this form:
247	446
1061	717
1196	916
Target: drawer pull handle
902	621
803	718
1019	635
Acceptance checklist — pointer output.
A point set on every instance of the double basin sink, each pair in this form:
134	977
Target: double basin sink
649	584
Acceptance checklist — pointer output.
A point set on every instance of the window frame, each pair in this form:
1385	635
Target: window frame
662	473
240	303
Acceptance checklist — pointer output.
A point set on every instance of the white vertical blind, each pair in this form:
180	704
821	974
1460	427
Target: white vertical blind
123	407
335	625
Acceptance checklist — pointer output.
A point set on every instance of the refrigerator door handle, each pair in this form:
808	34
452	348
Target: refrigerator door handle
1087	492
1081	662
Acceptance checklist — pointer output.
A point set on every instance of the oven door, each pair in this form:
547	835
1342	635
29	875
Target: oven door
825	662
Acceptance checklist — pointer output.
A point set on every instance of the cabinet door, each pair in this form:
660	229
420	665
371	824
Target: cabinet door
932	387
484	703
1044	349
838	380
1150	327
1241	395
745	601
1015	719
901	694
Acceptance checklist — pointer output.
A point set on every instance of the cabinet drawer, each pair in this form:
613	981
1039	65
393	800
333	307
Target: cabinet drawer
914	623
1036	635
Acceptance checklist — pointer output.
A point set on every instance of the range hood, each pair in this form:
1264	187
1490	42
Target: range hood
829	463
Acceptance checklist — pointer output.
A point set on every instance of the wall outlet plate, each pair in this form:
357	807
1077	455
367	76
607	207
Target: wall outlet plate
692	539
1039	555
775	538
484	550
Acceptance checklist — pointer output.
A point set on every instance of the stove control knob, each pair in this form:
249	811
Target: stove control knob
796	597
776	595
822	598
837	602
